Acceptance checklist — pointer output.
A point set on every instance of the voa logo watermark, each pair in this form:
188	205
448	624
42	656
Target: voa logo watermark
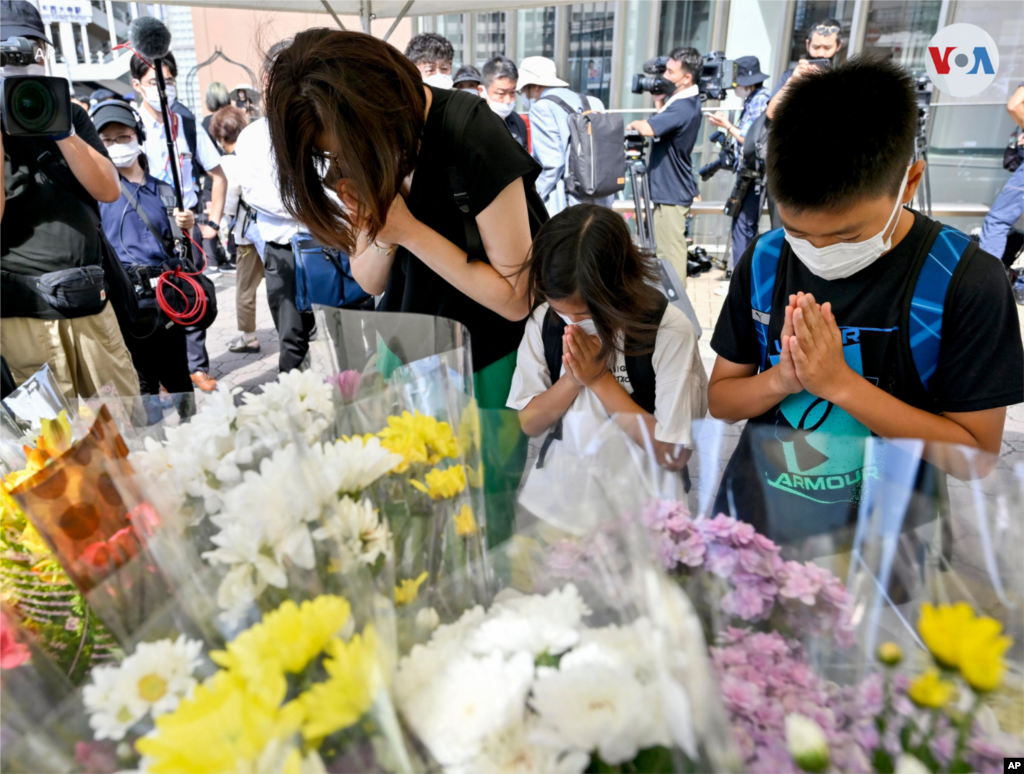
962	60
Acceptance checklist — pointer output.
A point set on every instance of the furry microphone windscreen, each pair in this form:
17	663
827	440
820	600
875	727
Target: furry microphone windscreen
149	37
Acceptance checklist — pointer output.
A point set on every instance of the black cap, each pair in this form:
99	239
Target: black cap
748	71
21	19
467	74
113	111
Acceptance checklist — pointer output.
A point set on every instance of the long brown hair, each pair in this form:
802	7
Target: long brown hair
586	253
371	100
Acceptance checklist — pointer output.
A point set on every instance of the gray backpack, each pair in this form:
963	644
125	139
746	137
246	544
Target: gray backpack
597	158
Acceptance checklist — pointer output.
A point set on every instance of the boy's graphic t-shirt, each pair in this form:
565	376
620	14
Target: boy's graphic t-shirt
799	467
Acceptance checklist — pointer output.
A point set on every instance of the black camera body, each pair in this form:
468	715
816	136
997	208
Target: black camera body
33	105
635	143
717	76
726	156
653	81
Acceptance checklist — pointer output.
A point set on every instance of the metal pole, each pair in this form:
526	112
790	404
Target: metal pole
858	28
113	27
366	11
394	24
332	13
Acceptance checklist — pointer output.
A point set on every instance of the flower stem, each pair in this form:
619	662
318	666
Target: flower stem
964	726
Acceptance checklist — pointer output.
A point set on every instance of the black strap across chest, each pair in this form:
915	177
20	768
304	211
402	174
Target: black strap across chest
457	113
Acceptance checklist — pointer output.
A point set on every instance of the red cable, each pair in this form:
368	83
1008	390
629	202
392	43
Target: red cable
193	313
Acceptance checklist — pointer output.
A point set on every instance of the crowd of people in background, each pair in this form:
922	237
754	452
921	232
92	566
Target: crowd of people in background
433	209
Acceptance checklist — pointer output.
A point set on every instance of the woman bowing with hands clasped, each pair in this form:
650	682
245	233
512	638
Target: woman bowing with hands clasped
439	205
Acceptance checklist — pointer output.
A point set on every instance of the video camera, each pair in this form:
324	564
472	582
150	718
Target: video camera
635	145
726	156
653	82
32	105
716	76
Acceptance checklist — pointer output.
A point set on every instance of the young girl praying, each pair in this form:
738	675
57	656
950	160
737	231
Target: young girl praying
602	342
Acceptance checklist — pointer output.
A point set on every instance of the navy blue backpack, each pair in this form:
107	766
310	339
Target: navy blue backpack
924	326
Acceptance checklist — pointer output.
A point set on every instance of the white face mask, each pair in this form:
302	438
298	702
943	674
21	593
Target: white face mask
503	109
587	326
439	81
527	102
845	259
124	155
32	69
152	94
742	91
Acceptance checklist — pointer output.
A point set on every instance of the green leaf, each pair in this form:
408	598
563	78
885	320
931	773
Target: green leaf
545	659
882	762
960	767
654	760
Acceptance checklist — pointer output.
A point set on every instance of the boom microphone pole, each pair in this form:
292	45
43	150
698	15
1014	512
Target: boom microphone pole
151	40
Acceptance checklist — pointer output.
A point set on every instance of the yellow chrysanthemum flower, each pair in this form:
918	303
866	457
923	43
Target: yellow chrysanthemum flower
981	654
349	692
942	629
465	522
220	728
285	641
407	590
475	476
56	438
469	428
890	654
419	439
930	690
443	484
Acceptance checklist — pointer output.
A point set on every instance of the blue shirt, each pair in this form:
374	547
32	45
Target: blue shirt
754	105
549	132
132	241
671	167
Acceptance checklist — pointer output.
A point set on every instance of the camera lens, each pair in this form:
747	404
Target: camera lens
32	105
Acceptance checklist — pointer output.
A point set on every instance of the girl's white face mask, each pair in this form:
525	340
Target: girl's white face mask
845	259
587	326
124	155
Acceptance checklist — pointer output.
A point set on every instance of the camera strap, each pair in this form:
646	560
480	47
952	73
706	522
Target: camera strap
454	121
133	201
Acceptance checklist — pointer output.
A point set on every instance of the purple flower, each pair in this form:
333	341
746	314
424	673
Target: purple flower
872	694
745	602
718	528
691	550
720	559
740	696
801	582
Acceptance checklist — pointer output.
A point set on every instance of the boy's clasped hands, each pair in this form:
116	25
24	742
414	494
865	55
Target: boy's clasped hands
812	350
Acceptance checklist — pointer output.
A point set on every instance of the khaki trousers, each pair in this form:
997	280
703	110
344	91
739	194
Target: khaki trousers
670	233
83	354
247	282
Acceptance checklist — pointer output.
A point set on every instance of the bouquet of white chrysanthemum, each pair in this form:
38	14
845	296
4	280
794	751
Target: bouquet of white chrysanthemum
606	671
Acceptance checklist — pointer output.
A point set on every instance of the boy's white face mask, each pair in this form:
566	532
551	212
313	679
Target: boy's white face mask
845	259
587	326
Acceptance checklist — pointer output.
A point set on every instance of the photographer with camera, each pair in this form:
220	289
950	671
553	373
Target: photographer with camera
824	41
53	282
674	129
749	172
140	230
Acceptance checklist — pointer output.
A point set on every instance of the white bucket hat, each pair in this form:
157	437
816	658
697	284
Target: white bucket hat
538	71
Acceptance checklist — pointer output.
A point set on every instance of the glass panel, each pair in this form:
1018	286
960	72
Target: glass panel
490	31
535	33
901	29
809	12
591	29
451	28
684	23
58	48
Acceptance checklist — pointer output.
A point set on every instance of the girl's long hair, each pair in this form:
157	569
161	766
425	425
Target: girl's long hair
370	100
586	253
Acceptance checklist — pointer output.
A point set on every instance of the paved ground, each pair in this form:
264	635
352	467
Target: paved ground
249	371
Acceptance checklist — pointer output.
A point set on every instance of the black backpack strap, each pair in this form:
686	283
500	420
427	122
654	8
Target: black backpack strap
457	113
551	332
640	368
584	102
188	127
133	201
170	200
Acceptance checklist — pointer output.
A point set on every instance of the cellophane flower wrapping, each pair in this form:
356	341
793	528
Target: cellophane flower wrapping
432	499
949	592
584	658
32	580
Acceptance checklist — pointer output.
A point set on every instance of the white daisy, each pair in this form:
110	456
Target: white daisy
349	466
358	527
532	623
110	715
510	751
159	674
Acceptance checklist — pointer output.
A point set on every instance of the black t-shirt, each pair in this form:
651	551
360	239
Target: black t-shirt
799	467
46	226
489	159
671	168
